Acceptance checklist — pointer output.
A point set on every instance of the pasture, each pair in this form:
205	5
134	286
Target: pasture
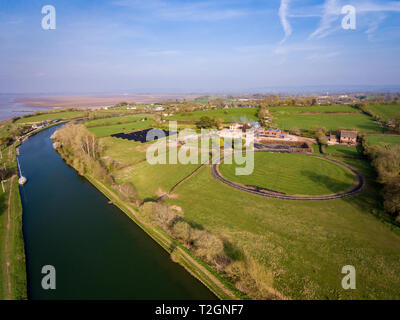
330	121
293	174
108	130
343	150
117	120
227	115
301	245
52	115
385	111
152	180
383	140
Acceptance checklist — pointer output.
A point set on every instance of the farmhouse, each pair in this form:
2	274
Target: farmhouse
274	133
348	137
333	138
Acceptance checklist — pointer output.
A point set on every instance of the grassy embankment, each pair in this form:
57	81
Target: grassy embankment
209	277
12	252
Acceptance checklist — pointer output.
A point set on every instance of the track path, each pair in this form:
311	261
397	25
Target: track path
266	193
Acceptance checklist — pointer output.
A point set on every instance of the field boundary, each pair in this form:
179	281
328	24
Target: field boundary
359	184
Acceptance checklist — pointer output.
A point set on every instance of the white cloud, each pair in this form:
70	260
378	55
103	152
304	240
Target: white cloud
158	53
330	14
199	11
283	14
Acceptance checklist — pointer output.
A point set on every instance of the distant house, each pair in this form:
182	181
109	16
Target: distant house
333	138
273	132
348	137
159	108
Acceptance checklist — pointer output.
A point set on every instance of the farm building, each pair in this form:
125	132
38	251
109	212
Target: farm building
276	133
333	138
348	137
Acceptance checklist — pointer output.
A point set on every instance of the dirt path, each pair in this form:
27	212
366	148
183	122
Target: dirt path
187	258
187	178
7	253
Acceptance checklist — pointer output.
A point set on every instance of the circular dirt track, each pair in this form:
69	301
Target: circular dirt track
356	188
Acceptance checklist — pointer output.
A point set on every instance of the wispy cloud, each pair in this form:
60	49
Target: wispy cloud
332	11
330	14
374	25
323	56
158	53
283	14
199	11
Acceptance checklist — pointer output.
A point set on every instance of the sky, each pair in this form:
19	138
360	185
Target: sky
140	46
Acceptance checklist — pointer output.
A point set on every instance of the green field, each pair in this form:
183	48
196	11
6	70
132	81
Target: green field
227	115
293	174
385	111
357	121
52	115
117	120
151	180
124	127
302	245
314	109
342	150
383	140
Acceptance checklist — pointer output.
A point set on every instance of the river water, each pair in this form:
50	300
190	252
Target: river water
97	251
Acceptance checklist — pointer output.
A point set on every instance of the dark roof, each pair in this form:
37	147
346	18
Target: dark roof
349	134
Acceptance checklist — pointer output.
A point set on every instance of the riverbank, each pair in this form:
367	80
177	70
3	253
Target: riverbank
13	283
209	277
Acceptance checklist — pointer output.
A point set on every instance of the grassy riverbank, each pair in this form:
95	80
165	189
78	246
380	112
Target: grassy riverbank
208	276
12	252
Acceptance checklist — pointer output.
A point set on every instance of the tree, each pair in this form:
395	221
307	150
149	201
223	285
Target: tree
206	122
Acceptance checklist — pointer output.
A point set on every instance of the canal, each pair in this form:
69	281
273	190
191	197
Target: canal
97	251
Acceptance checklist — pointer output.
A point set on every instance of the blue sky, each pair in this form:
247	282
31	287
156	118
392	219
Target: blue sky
160	45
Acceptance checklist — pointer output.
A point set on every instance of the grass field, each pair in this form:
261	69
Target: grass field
303	245
117	120
385	111
52	115
338	109
150	180
357	121
342	150
383	140
293	174
227	115
11	240
117	128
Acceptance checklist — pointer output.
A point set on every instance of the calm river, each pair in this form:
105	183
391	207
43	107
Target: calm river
97	251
